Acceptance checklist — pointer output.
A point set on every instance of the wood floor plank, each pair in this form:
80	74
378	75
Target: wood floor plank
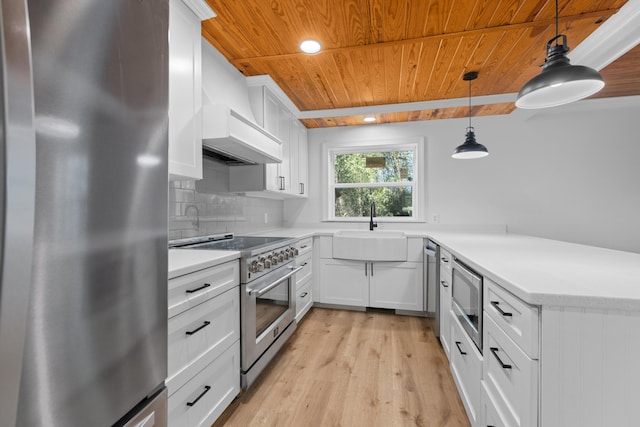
346	368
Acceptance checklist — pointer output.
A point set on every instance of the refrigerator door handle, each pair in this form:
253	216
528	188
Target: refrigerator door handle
17	195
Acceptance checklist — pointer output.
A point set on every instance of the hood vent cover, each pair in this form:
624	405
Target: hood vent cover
227	134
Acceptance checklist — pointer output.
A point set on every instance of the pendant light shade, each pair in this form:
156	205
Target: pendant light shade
470	149
559	82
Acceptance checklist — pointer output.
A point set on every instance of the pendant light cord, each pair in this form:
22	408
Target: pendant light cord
557	25
470	102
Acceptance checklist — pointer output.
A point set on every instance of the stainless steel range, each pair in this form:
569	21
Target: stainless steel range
267	267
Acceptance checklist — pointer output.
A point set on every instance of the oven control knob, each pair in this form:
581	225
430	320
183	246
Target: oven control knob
254	267
295	251
267	263
260	266
285	254
280	257
274	259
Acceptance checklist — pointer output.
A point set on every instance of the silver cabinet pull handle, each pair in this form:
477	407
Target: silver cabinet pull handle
459	349
304	294
443	283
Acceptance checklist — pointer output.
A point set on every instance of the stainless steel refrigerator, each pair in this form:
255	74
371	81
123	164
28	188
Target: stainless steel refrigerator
83	228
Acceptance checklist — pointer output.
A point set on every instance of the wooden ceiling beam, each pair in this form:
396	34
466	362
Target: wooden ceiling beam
602	14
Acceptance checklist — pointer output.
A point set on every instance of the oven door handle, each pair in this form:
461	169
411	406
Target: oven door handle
262	291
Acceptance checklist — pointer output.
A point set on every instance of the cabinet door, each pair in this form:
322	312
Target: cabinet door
293	187
344	282
303	161
185	93
270	113
445	308
285	166
396	285
466	367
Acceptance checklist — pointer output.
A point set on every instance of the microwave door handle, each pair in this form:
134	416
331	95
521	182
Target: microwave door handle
262	291
465	270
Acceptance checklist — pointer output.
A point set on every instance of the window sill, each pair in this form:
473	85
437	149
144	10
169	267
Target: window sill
377	220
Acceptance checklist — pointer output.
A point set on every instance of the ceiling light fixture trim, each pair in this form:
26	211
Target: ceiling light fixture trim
470	149
559	82
310	47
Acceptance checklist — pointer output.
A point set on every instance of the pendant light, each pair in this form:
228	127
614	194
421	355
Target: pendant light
559	82
470	149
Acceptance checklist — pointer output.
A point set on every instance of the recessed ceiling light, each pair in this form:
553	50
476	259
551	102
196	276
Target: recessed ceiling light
310	46
369	119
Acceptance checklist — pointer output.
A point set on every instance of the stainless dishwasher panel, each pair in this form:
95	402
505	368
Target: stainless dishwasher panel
432	277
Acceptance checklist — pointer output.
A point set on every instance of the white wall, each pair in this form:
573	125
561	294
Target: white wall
570	173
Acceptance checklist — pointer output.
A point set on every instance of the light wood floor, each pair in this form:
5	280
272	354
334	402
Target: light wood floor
346	368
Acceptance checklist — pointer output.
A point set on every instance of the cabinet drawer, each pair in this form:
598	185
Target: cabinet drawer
304	245
192	289
516	318
466	367
490	415
201	400
510	376
304	300
304	261
445	259
210	327
445	278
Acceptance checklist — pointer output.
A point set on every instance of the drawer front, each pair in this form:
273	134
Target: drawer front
210	327
490	415
304	300
201	400
304	245
466	367
511	377
192	289
516	318
305	261
445	259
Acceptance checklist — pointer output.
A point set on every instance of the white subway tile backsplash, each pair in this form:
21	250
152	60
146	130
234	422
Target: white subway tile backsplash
218	210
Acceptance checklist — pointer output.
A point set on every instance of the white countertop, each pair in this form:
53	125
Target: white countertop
185	261
551	272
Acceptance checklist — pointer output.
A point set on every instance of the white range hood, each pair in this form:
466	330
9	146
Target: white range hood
226	132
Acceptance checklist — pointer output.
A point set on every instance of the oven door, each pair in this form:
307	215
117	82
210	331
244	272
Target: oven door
467	300
268	307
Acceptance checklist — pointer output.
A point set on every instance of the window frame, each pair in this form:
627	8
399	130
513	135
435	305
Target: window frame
331	149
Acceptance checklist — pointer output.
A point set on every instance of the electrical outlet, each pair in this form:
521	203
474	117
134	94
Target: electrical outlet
435	218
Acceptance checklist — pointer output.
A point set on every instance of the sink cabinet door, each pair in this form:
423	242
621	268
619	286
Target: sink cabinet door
344	282
396	285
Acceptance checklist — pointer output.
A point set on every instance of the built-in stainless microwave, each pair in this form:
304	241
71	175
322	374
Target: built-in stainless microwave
467	300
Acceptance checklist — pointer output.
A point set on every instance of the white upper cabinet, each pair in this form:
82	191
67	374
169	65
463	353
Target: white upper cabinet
185	87
276	180
303	160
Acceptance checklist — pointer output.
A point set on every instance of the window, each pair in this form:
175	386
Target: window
384	173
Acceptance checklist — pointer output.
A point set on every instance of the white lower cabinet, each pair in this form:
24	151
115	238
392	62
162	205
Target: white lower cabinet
511	377
304	299
466	367
344	282
203	344
396	285
445	308
205	396
489	412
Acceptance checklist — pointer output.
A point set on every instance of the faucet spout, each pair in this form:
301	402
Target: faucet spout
372	214
197	220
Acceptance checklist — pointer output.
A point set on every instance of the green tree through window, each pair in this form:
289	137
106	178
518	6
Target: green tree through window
383	177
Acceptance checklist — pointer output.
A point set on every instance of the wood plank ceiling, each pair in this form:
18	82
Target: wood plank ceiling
378	52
